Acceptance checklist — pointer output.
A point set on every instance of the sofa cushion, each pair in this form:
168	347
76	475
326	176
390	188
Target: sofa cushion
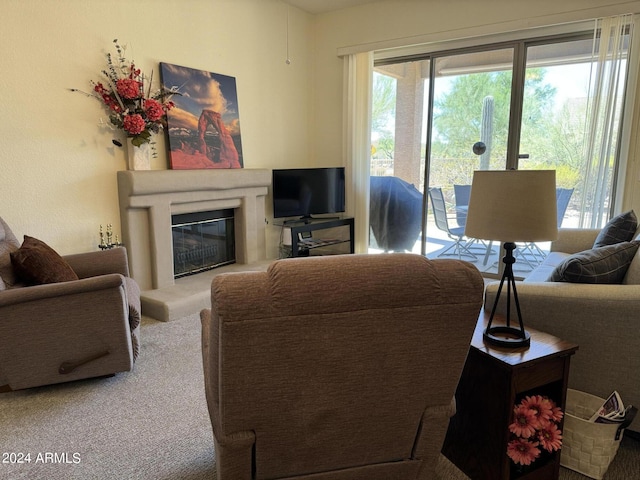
620	228
603	265
543	271
35	262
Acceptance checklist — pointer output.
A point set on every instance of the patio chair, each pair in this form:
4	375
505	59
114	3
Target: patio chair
461	194
530	252
460	245
563	195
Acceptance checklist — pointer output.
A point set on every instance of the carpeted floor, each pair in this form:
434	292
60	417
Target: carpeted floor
151	423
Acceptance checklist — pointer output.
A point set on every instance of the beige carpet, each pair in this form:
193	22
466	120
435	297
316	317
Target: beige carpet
151	423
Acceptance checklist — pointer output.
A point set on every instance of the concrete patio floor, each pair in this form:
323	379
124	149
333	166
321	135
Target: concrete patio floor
486	255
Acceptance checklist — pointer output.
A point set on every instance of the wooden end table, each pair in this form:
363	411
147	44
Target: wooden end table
493	380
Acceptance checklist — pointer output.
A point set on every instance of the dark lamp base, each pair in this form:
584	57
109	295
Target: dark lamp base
507	337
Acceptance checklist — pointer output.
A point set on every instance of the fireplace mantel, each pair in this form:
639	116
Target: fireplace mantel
149	198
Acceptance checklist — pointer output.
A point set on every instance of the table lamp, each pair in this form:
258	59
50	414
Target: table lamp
511	206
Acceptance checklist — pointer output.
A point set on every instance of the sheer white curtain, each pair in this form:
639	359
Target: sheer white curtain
604	115
358	74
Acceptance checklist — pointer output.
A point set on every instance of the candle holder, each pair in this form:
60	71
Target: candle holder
107	239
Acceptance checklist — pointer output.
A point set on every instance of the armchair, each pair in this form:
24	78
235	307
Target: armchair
59	332
337	367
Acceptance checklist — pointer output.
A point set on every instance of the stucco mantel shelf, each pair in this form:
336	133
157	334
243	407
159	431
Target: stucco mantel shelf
147	201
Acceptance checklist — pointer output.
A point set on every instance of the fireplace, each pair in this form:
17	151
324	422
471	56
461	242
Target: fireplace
202	241
148	202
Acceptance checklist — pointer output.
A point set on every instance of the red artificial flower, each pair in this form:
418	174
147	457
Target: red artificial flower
111	102
99	88
128	88
542	408
133	124
153	110
133	71
550	437
535	423
523	451
123	95
523	422
556	414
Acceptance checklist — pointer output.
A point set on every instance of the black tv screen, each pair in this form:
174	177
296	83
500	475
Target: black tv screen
302	192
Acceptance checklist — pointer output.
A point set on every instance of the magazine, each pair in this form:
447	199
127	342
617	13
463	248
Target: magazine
611	411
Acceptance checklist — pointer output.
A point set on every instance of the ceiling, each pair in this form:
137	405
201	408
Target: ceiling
323	6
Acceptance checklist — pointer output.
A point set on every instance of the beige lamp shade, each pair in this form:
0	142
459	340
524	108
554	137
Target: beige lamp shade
513	206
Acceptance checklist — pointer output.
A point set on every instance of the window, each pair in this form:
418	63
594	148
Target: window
521	104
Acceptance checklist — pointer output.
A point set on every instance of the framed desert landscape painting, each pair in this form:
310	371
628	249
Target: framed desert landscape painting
204	127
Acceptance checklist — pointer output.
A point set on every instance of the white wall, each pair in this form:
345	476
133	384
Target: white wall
58	180
401	22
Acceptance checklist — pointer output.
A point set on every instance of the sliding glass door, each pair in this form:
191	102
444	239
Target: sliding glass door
460	123
439	118
469	131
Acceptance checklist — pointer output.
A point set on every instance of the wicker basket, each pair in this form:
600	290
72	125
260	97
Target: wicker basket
587	447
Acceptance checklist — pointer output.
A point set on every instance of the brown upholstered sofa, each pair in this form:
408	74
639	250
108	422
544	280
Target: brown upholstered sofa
59	332
338	367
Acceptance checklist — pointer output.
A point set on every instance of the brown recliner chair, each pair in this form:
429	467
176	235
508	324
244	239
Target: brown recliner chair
338	367
59	332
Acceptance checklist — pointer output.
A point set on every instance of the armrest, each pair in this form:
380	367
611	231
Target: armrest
210	348
103	262
233	451
57	290
574	240
574	298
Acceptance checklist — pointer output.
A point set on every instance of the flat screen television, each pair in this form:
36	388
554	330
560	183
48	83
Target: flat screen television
302	192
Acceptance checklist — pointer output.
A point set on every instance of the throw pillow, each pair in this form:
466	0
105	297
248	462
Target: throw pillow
620	228
35	262
601	265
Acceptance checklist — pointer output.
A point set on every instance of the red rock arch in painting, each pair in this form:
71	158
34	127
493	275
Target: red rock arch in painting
228	152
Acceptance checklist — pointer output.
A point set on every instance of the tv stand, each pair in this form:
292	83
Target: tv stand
307	220
302	241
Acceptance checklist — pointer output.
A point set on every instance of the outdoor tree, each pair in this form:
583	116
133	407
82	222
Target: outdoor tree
383	112
458	113
551	134
458	122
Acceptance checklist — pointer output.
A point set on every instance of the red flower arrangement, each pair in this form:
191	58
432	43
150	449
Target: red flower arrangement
123	95
535	426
